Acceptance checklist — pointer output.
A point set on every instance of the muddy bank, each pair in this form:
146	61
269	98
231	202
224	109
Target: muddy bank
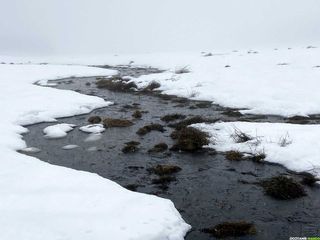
208	189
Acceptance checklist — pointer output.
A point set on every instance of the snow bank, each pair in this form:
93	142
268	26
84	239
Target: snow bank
267	81
41	201
297	147
278	82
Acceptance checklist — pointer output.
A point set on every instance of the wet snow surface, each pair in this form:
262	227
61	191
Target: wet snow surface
208	190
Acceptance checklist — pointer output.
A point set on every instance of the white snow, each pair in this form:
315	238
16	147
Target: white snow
70	147
93	128
255	82
264	81
30	150
42	201
297	147
58	131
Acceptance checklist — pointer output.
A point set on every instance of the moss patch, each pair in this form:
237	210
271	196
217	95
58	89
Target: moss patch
189	139
113	122
94	119
151	127
283	188
231	229
173	117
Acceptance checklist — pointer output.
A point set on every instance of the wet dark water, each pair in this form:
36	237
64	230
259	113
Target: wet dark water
208	190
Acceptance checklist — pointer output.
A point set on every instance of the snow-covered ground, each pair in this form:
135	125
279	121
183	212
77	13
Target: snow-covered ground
297	147
265	81
70	204
41	201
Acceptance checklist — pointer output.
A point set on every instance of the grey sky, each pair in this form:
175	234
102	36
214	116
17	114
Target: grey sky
134	26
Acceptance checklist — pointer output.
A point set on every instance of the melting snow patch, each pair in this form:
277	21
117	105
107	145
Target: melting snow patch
92	149
58	130
93	137
297	147
30	150
93	128
70	147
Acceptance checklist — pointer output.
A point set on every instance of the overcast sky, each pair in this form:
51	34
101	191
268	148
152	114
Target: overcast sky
138	26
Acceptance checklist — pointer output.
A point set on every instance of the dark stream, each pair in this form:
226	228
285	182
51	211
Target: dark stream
209	189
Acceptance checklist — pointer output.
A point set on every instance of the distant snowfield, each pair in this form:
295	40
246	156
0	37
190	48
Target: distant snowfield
40	201
267	81
296	147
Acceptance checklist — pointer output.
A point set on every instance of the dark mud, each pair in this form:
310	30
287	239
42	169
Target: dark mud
207	191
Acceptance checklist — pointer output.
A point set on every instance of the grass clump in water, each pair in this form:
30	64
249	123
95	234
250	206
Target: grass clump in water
160	147
151	127
137	114
116	84
94	119
258	157
162	170
189	139
232	113
173	117
283	188
131	147
190	121
309	179
234	155
231	229
114	122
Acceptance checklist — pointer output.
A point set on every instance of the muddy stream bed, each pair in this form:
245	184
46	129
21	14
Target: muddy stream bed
207	191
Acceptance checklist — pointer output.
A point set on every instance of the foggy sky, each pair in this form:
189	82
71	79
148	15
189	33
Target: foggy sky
138	26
